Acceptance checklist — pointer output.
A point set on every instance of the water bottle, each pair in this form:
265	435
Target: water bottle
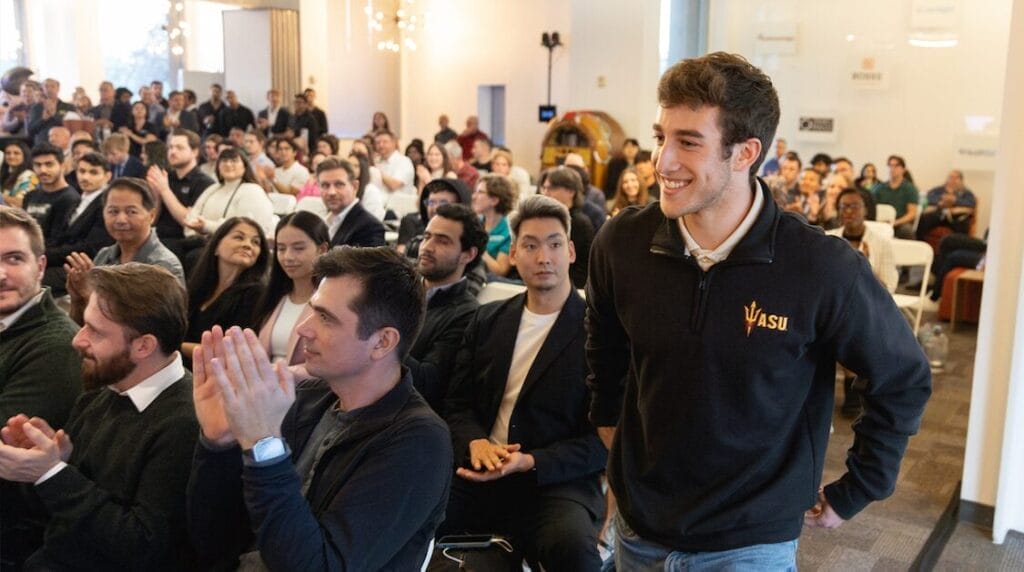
936	348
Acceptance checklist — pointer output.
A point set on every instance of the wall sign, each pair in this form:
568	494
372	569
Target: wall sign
868	72
776	39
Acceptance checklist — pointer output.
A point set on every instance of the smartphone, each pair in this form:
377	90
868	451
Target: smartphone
466	541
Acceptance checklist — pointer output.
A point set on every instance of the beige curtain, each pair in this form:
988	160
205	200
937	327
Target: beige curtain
284	45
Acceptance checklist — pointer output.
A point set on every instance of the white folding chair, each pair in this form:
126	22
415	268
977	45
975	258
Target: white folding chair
314	205
403	203
912	253
883	228
283	203
885	213
494	291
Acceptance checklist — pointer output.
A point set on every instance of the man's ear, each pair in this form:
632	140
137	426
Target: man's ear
747	152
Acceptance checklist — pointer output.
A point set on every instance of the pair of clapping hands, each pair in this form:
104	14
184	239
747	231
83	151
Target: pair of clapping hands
31	448
239	395
492	461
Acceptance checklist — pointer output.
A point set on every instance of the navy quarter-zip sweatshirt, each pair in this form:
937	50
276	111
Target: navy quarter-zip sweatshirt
721	383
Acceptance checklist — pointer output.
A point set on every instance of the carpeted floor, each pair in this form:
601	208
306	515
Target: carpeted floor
970	548
888	535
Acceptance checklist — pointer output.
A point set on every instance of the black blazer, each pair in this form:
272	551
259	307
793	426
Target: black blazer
280	124
550	417
432	355
132	168
360	228
87	234
186	120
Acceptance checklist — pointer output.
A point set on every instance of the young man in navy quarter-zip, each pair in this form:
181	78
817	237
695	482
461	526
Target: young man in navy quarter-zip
715	322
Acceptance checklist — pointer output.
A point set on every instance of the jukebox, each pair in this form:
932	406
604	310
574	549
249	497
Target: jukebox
594	135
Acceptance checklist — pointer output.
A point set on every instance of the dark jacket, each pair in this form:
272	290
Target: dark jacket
229	118
132	167
280	124
550	416
721	382
376	497
582	235
360	228
187	119
87	234
432	355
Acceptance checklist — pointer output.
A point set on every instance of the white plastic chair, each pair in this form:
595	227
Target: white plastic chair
403	203
283	203
883	228
314	205
494	291
885	213
912	253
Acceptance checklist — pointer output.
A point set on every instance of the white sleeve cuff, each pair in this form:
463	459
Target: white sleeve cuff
53	471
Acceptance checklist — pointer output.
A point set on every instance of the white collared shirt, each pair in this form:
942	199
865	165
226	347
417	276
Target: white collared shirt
12	318
334	220
708	258
87	199
398	166
142	395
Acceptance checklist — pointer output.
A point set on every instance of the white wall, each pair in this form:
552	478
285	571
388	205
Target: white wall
930	92
247	57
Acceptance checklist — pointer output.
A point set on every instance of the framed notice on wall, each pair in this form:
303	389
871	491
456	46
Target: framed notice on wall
778	38
868	71
817	127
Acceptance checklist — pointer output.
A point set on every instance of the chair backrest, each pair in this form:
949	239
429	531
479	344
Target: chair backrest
912	253
283	203
312	204
402	203
885	213
499	291
882	228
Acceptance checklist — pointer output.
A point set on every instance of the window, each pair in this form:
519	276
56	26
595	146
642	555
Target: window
139	52
11	44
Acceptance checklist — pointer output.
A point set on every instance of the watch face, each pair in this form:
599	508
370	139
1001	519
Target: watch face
268	448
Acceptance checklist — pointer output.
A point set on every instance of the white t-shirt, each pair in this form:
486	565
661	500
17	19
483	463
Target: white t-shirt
398	166
294	176
533	330
283	327
374	200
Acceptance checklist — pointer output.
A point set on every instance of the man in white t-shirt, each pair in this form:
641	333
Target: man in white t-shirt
290	176
396	169
529	460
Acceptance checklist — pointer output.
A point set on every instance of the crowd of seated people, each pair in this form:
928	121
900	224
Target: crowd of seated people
313	363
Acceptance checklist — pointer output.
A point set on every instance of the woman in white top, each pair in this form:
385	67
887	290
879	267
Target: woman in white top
360	146
370	195
300	238
236	194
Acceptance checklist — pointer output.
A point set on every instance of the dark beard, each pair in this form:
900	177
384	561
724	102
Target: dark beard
439	271
96	374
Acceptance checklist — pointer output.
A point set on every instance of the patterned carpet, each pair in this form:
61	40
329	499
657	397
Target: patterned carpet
971	548
889	535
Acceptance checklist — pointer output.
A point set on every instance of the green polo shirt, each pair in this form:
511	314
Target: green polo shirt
899	197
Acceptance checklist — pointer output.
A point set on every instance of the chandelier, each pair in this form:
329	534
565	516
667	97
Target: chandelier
393	27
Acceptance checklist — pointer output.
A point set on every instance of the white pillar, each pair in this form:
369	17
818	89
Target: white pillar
993	465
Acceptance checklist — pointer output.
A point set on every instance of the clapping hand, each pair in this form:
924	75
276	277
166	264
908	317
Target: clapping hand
491	461
77	266
31	448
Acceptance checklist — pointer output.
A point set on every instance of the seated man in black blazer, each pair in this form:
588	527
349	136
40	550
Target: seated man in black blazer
115	147
348	222
273	119
453	241
83	230
529	461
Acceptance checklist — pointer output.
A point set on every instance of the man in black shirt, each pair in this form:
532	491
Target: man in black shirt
318	114
116	500
209	109
54	200
186	182
303	120
233	115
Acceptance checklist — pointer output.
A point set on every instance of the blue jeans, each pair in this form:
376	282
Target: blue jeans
634	554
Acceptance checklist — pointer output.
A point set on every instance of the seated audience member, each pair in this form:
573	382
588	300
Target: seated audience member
501	164
397	171
493	200
828	214
299	239
328	145
463	170
565	186
772	164
529	461
60	138
629	192
482	150
868	177
113	479
122	164
235	194
176	116
347	221
822	164
878	251
415	152
38	367
128	212
347	471
43	116
452	242
16	175
370	195
618	164
436	193
312	187
469	136
435	166
290	175
785	184
79	149
445	133
54	200
273	119
83	231
951	206
361	147
843	166
809	197
594	212
139	130
303	123
901	194
211	150
645	168
263	166
228	277
957	251
181	183
234	114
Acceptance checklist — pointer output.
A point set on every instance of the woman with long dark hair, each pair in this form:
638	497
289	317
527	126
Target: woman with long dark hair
139	130
16	174
299	239
229	275
629	191
370	195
